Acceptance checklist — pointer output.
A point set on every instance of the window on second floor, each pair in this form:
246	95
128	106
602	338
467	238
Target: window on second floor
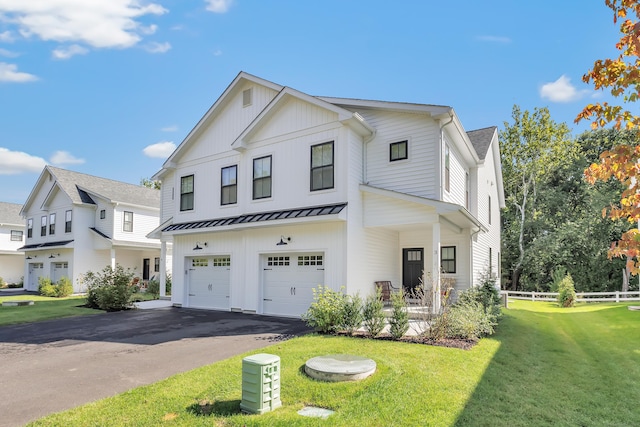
186	193
398	151
447	172
229	185
127	222
448	259
16	236
67	222
29	228
52	223
103	213
489	207
43	226
262	177
322	166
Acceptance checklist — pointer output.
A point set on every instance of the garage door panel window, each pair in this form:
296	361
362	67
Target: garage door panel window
200	262
310	260
222	262
278	260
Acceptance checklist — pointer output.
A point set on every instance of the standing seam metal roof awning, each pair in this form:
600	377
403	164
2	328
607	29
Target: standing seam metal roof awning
259	217
46	245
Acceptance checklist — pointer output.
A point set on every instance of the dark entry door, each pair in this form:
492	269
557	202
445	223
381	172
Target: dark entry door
412	267
146	262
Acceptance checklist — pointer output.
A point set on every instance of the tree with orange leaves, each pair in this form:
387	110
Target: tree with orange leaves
621	76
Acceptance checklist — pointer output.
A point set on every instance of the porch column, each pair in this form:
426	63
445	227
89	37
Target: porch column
163	269
113	258
435	265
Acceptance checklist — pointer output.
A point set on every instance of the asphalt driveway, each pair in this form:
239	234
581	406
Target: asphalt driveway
51	366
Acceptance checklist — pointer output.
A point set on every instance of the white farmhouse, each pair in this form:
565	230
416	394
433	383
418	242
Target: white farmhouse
275	192
11	238
78	223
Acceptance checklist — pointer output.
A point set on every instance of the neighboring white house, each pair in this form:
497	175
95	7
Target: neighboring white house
275	192
11	238
78	223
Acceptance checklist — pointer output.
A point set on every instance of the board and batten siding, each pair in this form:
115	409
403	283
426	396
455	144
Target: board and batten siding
417	175
228	123
170	192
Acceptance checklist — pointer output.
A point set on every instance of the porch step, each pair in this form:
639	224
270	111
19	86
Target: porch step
415	312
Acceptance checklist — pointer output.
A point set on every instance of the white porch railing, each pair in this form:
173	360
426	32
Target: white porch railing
616	296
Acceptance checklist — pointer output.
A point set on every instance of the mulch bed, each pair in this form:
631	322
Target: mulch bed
445	342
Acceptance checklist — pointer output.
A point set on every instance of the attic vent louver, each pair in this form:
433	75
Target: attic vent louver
247	97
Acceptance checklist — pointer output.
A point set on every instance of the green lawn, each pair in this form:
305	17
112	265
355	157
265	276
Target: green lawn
44	308
545	366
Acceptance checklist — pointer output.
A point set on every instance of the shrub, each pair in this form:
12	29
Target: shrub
325	312
63	287
167	284
399	321
566	292
373	314
2	283
351	313
468	320
46	288
110	289
556	277
153	288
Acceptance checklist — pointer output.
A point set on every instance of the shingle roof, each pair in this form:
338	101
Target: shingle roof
258	217
10	213
76	185
481	139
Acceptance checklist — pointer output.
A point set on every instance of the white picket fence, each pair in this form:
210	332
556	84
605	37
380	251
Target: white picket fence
616	296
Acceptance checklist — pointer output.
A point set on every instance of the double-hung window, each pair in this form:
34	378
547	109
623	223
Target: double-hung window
398	151
186	193
262	177
448	259
229	185
67	222
52	223
29	228
16	236
43	226
127	223
322	166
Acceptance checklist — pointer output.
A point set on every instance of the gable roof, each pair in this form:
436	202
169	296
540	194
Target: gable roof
481	140
10	214
82	188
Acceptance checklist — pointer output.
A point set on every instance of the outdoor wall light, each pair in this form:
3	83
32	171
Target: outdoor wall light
197	248
53	256
28	257
282	240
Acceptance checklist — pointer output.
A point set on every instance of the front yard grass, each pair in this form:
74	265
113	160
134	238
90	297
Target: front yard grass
44	308
546	366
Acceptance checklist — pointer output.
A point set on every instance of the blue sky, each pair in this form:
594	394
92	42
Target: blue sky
109	87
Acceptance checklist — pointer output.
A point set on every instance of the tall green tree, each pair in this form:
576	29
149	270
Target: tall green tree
532	146
149	183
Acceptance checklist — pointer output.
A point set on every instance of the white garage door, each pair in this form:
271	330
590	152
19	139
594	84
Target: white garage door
209	282
36	270
59	270
288	282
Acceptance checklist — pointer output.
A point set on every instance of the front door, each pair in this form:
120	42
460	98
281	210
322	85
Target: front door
146	262
412	267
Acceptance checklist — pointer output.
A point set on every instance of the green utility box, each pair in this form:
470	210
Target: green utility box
260	383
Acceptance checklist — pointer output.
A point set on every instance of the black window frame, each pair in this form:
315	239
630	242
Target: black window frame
52	223
156	265
228	190
261	180
187	201
489	210
68	219
43	226
103	213
29	228
16	235
322	168
396	157
444	260
127	225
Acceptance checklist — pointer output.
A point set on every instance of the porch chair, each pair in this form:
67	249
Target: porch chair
386	288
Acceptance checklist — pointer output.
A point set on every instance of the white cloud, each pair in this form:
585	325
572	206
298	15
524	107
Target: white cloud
96	23
218	6
494	39
9	73
171	128
17	162
60	158
6	37
8	54
155	47
66	52
561	90
160	150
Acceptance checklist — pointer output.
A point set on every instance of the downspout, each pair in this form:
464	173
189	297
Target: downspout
364	155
